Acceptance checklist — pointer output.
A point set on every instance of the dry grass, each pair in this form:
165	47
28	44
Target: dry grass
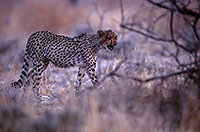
127	108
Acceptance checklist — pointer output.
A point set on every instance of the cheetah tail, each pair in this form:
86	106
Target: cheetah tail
24	73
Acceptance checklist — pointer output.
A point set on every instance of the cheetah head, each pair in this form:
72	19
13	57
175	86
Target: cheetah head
108	39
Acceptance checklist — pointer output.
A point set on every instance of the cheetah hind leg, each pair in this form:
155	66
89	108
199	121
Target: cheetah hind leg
38	68
27	83
22	82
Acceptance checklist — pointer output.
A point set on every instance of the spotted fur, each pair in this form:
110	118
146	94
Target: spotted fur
43	47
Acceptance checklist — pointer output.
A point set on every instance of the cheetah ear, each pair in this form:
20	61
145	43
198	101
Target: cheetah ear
109	31
100	33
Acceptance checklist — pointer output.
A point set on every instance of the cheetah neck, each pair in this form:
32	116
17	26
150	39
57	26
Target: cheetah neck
93	42
96	44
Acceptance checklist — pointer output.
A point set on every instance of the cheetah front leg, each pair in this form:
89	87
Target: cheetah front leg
90	61
80	76
92	74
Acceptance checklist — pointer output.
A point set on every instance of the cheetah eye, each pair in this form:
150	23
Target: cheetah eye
110	39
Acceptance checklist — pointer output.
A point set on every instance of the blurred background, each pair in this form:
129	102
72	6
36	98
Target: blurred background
150	82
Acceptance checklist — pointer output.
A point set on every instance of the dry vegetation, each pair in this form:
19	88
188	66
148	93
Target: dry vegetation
150	83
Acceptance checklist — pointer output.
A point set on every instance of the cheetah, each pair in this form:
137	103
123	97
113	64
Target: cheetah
62	51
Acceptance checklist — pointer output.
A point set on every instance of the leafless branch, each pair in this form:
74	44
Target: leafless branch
162	77
185	41
163	15
161	5
172	33
100	15
122	31
146	34
113	72
184	10
122	11
195	28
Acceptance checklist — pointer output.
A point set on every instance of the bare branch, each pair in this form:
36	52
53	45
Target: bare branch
145	34
161	6
100	15
194	28
184	10
178	61
122	31
162	77
163	15
172	34
122	11
113	72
